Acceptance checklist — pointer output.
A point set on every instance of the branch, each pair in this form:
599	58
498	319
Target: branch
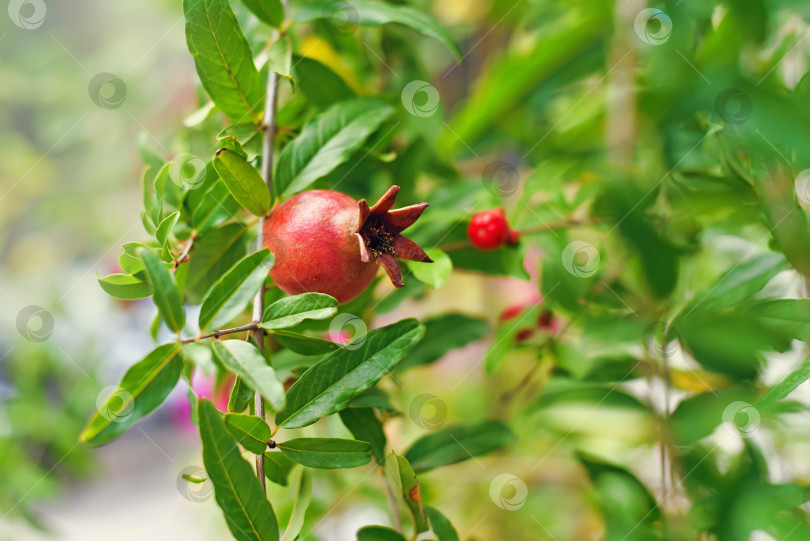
252	326
183	257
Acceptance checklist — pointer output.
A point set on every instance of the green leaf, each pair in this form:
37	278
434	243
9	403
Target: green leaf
249	430
458	443
241	396
215	207
290	311
249	515
243	181
230	294
371	13
401	474
277	467
142	389
443	333
331	384
440	525
378	533
165	228
214	253
280	58
223	59
321	85
129	260
302	499
790	317
327	453
125	286
364	425
433	274
165	294
303	344
326	142
267	11
782	389
244	360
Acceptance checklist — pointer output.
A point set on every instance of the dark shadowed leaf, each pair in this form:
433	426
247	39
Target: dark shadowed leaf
364	425
442	334
458	443
327	453
241	396
249	430
267	11
214	253
277	467
378	533
303	344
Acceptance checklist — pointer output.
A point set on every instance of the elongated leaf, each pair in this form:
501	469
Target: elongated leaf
303	344
378	533
326	142
433	274
790	317
277	467
223	59
302	499
214	253
244	360
243	181
335	380
267	11
249	515
364	425
782	389
403	478
290	311
165	294
372	13
442	334
143	388
458	443
215	207
125	286
440	525
241	396
322	86
327	453
230	294
249	430
165	228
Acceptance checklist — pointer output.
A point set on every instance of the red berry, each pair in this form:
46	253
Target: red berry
488	230
325	241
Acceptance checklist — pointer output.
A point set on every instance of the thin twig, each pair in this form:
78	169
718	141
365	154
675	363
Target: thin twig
183	257
252	326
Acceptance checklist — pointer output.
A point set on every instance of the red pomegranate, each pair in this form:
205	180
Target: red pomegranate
325	241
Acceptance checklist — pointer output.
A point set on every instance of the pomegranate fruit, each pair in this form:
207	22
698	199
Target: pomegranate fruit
489	230
327	242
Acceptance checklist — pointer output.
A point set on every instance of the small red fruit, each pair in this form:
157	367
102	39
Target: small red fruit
324	242
489	230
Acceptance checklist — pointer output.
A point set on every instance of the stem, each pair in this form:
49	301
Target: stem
252	326
183	257
269	120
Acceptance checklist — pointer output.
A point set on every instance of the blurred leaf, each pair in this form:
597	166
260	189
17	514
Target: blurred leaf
442	334
402	476
241	396
251	431
782	389
243	181
789	317
249	515
331	384
372	13
326	142
280	58
303	344
433	274
223	59
327	453
214	253
364	426
378	533
267	11
506	261
440	525
125	286
457	444
302	499
277	467
142	389
322	86
504	340
290	311
697	416
229	295
165	294
244	360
